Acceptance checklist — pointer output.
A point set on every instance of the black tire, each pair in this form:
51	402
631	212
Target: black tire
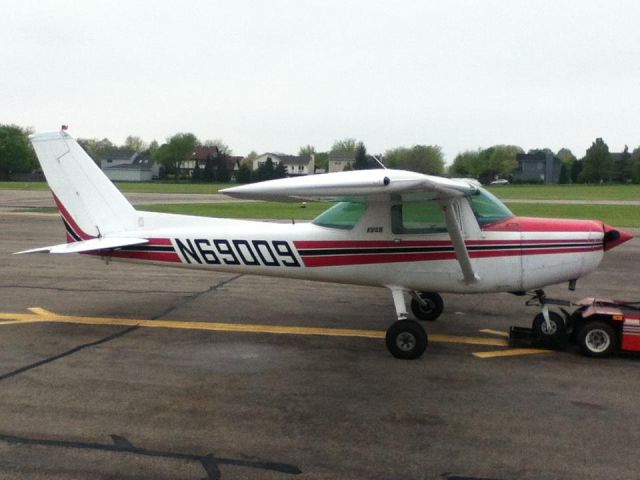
406	339
556	337
597	339
431	310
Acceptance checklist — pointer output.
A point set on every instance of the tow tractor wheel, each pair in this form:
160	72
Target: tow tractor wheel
406	339
431	309
597	339
554	336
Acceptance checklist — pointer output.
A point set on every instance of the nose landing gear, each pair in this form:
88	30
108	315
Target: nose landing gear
426	305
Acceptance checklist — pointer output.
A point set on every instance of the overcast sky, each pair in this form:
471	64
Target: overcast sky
275	75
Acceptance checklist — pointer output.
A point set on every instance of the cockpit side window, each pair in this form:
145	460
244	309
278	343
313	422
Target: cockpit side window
343	215
417	218
487	208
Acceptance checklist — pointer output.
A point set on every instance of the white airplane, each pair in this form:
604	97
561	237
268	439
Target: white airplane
414	234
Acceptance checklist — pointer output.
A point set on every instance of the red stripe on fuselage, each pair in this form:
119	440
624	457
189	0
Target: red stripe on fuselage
69	219
532	224
367	259
303	244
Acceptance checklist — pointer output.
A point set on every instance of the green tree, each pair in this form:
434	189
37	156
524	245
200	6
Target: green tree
502	160
244	174
344	145
222	174
135	143
307	150
97	149
419	158
360	162
576	170
16	153
153	147
248	160
622	166
222	147
197	174
597	163
322	160
487	164
280	171
178	150
568	159
266	171
466	164
635	165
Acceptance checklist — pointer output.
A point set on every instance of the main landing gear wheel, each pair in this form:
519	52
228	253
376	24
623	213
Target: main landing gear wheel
597	339
406	339
552	336
430	308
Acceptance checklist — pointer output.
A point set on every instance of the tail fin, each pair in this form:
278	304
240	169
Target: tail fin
89	203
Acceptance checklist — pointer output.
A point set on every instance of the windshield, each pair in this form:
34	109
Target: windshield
487	208
343	215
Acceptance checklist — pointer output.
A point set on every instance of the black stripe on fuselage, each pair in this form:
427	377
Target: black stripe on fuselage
315	252
148	248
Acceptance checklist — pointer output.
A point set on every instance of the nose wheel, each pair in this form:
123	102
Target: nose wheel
405	339
427	305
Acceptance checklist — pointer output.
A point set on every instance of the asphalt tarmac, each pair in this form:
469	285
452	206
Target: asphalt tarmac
126	372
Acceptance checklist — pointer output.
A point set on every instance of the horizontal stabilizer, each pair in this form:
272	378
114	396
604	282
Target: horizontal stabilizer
93	245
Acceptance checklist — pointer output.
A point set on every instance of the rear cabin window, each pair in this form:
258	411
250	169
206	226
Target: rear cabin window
343	215
417	218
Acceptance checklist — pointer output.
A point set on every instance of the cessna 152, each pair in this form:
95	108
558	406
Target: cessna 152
411	233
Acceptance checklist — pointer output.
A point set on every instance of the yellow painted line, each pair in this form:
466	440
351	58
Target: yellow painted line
28	214
13	322
494	342
512	352
42	315
494	332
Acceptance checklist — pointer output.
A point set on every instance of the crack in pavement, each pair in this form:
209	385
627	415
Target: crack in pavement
195	296
120	444
115	335
71	351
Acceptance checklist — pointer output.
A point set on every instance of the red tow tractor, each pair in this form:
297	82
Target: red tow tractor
599	326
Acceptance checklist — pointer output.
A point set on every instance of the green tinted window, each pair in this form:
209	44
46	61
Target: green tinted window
417	218
343	215
487	208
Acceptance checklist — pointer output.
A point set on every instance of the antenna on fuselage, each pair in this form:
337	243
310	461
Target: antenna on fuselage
375	157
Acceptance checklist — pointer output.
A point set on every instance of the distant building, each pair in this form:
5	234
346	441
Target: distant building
129	166
295	165
539	166
338	161
203	155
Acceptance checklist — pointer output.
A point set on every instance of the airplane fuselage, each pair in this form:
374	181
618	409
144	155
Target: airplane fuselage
509	256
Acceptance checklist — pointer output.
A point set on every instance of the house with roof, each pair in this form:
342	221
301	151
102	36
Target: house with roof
338	161
129	166
210	155
295	165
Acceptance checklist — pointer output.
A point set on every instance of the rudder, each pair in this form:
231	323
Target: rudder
89	203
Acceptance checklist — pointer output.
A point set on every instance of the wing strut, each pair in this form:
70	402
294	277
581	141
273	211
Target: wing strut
462	254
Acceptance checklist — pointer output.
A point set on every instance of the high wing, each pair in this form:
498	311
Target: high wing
85	246
367	184
353	184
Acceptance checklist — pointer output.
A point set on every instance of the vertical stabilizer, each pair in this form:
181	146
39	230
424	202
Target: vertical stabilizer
89	203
